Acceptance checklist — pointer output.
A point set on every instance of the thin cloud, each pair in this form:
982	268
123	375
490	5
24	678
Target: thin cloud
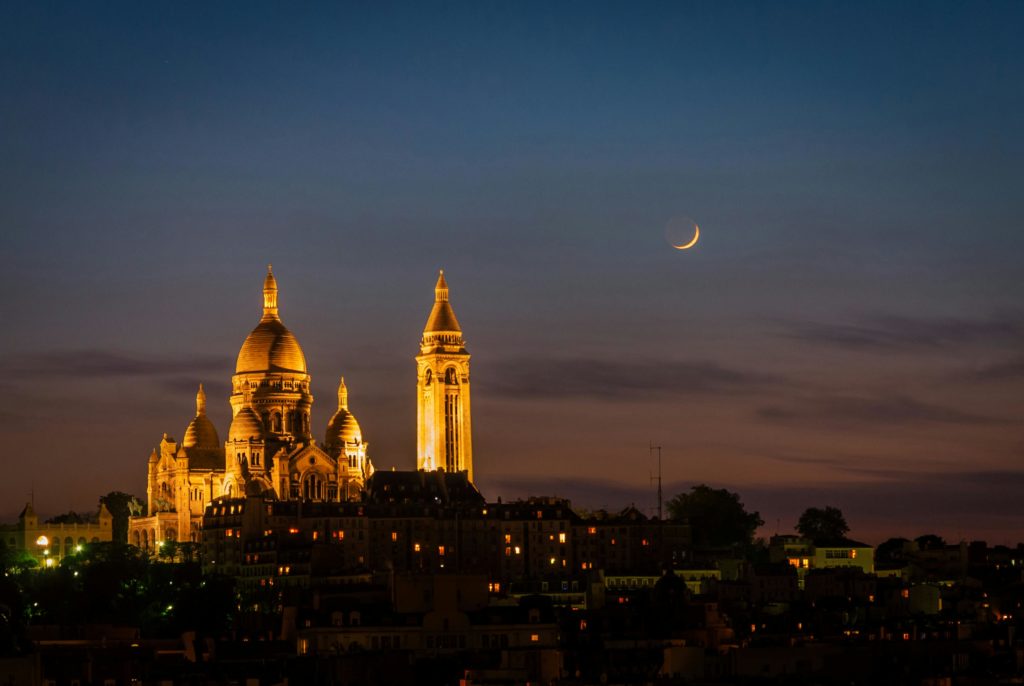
1008	370
597	378
851	411
91	363
886	332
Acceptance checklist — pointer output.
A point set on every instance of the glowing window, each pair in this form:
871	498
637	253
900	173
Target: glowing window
534	638
394	535
561	537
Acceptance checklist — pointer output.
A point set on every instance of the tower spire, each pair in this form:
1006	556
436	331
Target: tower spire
441	289
444	431
200	401
342	395
270	294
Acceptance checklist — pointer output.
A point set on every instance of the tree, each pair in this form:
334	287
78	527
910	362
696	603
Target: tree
822	524
121	506
717	517
891	550
930	542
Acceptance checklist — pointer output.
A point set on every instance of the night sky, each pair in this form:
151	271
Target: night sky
848	331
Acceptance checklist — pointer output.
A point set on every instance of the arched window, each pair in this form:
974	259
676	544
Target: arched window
275	422
313	487
428	377
256	459
449	376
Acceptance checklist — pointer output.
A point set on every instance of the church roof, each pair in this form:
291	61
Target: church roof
343	427
270	346
201	433
422	487
442	316
246	426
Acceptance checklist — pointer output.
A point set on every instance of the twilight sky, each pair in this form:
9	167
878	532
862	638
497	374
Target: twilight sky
849	331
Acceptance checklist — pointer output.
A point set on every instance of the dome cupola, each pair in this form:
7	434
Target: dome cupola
343	427
271	347
246	426
201	432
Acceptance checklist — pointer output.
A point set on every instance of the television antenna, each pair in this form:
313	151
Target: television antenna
651	450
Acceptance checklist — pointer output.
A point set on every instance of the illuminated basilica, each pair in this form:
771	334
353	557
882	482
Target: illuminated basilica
270	449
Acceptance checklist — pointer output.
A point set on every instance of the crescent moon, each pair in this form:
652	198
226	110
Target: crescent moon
693	242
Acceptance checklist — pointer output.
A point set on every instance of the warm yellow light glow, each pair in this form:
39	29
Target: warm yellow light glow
42	540
693	241
561	537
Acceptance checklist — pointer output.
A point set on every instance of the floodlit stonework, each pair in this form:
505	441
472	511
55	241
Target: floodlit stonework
444	431
269	449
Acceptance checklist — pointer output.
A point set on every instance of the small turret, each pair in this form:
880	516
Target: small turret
270	295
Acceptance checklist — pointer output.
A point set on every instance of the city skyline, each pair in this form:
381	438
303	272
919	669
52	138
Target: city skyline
848	331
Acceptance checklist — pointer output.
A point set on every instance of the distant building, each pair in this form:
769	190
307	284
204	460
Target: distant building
49	543
806	555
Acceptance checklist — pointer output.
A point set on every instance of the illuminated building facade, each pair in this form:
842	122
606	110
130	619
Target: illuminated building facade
269	448
50	542
444	430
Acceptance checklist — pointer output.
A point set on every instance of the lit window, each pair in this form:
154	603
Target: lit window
534	638
643	542
316	534
293	530
508	538
394	535
592	530
552	560
517	550
440	550
508	551
416	547
229	533
853	553
561	537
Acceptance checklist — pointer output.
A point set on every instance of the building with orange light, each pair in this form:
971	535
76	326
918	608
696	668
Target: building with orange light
270	450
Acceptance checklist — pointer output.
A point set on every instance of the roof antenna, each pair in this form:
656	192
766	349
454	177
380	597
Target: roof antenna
652	448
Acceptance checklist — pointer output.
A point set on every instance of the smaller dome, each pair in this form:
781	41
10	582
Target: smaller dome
201	433
246	426
343	428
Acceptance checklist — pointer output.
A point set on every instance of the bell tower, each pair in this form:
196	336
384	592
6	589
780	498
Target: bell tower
444	431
